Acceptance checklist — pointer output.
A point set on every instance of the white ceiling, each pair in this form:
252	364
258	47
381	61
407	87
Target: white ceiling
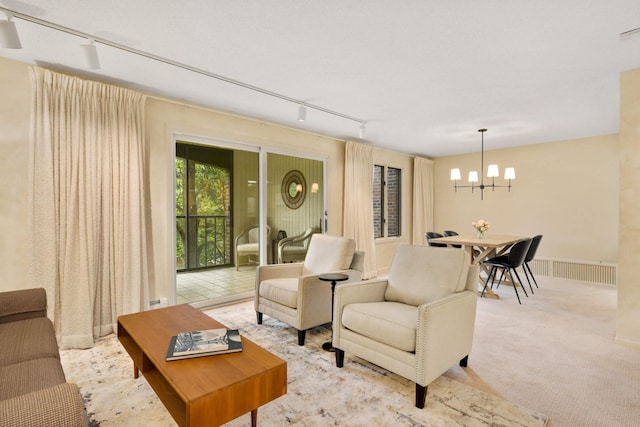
423	74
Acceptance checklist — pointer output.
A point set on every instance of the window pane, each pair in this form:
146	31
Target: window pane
393	202
377	200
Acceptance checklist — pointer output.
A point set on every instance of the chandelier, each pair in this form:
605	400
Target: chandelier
492	172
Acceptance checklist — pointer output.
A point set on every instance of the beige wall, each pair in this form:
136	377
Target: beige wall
567	191
628	321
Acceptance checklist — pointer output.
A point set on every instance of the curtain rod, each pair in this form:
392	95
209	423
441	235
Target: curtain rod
106	42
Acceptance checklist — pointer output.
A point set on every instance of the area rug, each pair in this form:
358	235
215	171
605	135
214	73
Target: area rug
318	393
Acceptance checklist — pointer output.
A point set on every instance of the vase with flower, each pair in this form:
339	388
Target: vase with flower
481	227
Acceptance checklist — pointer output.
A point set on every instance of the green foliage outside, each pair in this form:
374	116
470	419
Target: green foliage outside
206	201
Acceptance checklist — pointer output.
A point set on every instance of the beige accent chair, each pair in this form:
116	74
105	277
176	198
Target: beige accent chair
293	293
294	248
247	244
416	323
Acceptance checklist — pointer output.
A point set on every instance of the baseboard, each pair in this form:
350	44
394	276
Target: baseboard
583	271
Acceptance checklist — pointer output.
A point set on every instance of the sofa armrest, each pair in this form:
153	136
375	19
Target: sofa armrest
60	405
445	333
22	304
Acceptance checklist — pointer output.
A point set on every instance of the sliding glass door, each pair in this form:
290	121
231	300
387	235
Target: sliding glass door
223	231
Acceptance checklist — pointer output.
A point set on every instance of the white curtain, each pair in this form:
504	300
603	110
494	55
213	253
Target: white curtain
358	202
88	245
422	199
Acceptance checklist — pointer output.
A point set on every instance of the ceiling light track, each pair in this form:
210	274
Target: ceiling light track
61	28
629	34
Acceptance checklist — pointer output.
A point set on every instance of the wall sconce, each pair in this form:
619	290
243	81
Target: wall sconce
315	187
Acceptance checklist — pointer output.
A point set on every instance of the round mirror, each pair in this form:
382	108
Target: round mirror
294	189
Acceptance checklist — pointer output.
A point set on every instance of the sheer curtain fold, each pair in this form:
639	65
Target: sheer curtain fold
87	224
358	204
422	199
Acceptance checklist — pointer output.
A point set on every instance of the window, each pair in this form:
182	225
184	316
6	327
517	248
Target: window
386	201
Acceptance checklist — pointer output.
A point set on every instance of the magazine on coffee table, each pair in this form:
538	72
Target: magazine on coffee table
204	343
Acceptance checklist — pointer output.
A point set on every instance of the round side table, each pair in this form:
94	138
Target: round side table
333	278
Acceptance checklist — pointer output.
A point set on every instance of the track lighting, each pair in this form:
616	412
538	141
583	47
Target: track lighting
90	51
302	113
9	37
630	34
362	131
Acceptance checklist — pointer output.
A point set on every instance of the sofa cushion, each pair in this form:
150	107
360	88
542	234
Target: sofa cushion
422	274
390	323
30	375
328	253
282	290
26	340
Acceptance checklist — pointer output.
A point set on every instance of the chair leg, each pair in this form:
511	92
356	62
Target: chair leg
301	336
487	281
339	357
259	317
515	288
421	396
500	279
526	264
519	281
464	361
524	268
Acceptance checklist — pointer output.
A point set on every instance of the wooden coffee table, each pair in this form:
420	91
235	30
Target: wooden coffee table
203	391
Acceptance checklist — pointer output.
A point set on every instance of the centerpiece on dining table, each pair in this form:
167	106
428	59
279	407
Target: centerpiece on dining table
481	227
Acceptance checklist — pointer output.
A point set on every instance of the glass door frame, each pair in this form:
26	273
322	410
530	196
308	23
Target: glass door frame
263	152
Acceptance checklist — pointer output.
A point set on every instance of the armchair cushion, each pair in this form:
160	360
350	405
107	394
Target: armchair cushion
327	254
390	323
424	274
283	290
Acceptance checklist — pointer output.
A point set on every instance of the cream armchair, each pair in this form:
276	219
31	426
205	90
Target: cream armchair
294	248
293	293
247	243
416	323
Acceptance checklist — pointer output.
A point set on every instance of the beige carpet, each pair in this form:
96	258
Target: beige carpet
319	394
556	354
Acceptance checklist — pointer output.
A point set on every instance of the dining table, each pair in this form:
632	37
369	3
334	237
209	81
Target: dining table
480	249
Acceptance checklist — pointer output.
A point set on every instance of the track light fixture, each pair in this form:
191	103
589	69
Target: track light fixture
492	172
302	113
9	27
362	131
91	55
9	37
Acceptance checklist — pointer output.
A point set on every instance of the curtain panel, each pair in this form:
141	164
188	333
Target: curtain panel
358	204
422	199
87	217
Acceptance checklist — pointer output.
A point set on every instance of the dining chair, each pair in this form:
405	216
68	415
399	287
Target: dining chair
433	235
514	260
531	253
448	233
